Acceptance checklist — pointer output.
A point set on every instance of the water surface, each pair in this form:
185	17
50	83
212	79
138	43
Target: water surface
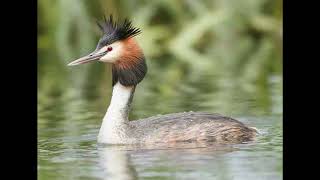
69	121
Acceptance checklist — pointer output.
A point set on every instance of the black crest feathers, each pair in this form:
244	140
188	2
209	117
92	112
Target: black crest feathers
115	31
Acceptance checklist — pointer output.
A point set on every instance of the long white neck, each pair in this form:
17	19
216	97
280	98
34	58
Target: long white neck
114	124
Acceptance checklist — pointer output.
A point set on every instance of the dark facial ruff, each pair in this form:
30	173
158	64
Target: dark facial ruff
129	76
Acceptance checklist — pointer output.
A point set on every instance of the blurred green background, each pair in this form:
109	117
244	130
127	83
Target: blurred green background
220	50
221	56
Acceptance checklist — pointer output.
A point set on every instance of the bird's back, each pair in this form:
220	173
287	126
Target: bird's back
190	127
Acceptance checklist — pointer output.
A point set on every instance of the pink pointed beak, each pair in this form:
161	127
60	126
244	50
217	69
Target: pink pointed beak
94	56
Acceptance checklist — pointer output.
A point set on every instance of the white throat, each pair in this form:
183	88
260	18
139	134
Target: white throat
115	121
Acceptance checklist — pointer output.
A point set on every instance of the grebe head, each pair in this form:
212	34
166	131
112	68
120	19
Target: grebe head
118	46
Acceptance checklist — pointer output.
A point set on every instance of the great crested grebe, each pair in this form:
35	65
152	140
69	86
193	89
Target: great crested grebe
118	47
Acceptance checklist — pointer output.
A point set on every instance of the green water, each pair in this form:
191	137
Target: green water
68	127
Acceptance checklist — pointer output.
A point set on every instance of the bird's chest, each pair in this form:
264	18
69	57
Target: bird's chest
115	134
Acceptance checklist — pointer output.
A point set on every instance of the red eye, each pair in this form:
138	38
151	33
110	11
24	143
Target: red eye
109	49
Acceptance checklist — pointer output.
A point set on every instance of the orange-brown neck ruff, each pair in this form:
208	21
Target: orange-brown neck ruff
130	55
131	67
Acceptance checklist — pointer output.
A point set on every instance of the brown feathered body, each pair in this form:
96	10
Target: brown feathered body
189	127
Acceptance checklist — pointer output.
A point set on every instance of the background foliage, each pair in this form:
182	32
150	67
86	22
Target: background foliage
193	48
